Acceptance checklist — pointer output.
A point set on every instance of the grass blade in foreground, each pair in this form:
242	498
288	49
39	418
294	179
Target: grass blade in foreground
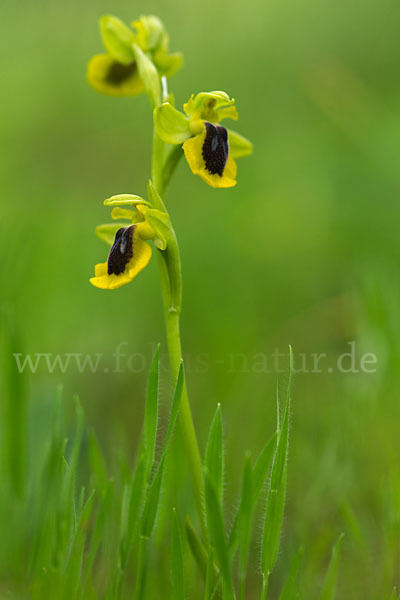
214	458
259	475
289	590
178	586
276	495
329	590
151	412
245	523
216	529
152	501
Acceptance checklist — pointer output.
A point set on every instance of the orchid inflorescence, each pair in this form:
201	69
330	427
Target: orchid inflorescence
137	61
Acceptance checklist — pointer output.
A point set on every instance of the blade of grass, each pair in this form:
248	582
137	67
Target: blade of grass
180	381
329	589
262	466
216	529
276	494
133	510
214	456
289	590
245	523
151	504
14	416
178	586
151	412
259	476
97	463
73	569
196	546
209	575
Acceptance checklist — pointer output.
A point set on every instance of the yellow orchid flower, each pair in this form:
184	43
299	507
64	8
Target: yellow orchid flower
116	73
130	252
209	148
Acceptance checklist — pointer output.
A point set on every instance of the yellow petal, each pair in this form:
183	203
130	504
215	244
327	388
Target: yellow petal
123	213
108	76
193	149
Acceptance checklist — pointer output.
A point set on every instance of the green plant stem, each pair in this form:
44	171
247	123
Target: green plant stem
171	287
264	590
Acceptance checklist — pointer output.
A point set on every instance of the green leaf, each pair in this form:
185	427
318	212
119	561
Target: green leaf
178	586
152	502
196	546
259	475
262	466
245	522
209	575
78	436
273	525
151	412
174	409
14	404
289	590
131	518
393	595
149	76
118	39
239	146
329	589
100	525
216	528
214	457
171	124
97	463
277	490
72	575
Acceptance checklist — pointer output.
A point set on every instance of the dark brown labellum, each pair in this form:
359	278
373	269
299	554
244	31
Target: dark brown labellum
121	251
215	148
118	73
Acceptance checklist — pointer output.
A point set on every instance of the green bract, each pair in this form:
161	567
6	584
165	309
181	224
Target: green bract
172	125
148	74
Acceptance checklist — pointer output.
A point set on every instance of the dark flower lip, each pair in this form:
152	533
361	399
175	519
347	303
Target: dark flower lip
215	148
121	251
118	73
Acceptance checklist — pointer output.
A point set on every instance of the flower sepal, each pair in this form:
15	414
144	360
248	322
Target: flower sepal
118	39
239	146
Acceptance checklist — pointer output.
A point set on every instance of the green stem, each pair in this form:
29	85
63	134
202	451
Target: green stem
264	590
171	286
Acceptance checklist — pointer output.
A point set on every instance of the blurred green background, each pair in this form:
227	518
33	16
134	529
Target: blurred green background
304	250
